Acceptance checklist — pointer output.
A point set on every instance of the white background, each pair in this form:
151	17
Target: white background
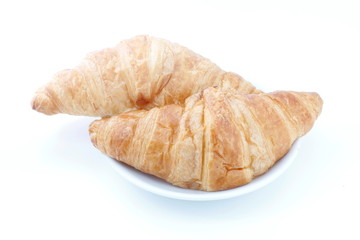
55	185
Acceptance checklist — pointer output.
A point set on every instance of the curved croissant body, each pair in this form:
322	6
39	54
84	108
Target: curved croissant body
216	141
139	73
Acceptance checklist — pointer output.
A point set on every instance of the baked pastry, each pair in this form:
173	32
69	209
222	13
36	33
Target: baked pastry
217	141
139	73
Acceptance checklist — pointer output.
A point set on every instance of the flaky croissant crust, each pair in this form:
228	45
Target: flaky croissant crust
217	141
139	73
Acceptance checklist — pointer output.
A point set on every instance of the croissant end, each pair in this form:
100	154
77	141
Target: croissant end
42	103
93	129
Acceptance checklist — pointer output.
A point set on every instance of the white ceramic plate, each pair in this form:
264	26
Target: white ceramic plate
160	187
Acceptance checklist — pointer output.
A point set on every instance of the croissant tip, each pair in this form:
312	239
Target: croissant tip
93	129
319	103
42	103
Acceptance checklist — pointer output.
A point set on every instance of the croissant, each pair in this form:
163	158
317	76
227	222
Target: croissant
217	141
138	73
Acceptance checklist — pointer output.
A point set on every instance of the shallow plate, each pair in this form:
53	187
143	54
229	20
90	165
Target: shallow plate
160	187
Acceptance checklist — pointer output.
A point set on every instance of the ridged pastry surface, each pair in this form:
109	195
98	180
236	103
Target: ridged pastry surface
138	73
217	141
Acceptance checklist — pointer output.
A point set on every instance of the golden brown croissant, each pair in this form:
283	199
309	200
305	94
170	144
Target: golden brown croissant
138	73
217	141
